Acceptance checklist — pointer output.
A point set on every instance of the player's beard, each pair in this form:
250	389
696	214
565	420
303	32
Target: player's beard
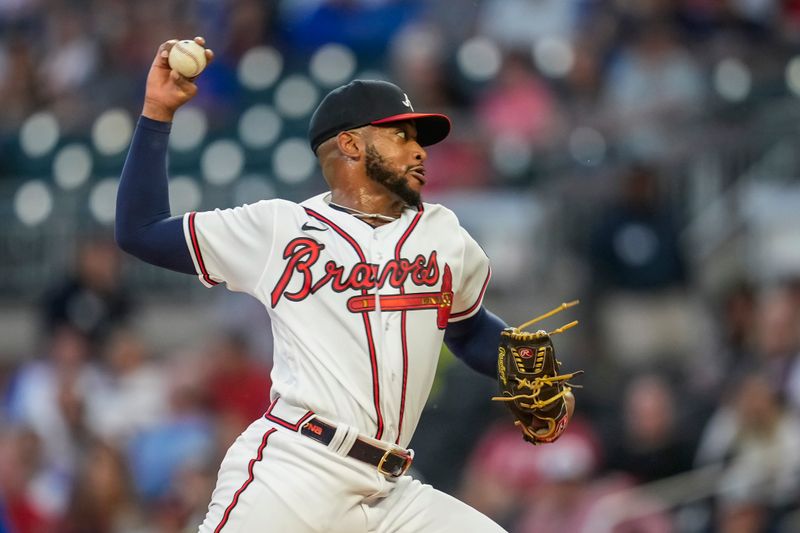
378	170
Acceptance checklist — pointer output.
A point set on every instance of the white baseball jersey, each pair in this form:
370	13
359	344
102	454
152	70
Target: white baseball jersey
358	313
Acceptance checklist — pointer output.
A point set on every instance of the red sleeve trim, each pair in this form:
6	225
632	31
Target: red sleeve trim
196	248
477	302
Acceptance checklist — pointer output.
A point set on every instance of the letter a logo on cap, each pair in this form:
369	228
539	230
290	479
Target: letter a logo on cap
407	102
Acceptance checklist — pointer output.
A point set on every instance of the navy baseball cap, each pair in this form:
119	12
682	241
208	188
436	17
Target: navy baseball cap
371	102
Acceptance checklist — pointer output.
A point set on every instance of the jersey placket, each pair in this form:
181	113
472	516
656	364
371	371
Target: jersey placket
389	356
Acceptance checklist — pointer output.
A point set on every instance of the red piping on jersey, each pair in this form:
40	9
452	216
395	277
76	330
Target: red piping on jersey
397	250
373	356
250	477
478	301
197	254
281	422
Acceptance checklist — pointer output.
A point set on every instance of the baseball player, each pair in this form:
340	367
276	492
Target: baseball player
363	283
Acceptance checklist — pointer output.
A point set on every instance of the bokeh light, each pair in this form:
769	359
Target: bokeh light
511	155
293	161
333	64
72	166
222	162
103	200
189	129
259	126
33	202
732	79
184	194
587	146
260	68
111	132
793	75
39	134
251	188
479	59
553	56
296	96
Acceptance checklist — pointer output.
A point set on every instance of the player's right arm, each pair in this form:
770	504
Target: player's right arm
144	226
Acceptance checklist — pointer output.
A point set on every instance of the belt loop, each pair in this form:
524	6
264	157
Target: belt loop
338	438
344	439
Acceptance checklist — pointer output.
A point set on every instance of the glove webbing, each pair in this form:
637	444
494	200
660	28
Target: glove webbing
536	387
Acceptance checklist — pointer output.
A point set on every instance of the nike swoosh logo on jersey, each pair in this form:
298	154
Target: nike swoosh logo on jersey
308	227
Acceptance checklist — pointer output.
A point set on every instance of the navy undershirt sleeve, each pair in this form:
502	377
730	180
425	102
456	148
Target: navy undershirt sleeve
144	226
475	340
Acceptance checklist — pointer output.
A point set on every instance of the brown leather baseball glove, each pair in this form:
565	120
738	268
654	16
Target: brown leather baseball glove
530	383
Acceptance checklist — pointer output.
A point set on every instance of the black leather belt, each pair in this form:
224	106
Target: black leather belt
392	463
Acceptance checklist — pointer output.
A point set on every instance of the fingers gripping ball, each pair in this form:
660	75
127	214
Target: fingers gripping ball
187	58
539	397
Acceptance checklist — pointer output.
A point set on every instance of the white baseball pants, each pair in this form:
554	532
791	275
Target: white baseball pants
276	480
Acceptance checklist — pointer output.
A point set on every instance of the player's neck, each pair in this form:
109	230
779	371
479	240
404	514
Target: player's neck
362	203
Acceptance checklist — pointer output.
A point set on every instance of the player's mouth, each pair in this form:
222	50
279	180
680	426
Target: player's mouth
418	173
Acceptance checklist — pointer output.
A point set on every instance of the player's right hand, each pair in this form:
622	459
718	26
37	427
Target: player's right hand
166	89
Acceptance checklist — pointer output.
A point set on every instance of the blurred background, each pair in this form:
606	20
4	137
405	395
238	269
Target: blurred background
641	155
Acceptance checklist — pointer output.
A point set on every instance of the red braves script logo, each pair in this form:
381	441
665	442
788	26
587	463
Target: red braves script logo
525	352
302	253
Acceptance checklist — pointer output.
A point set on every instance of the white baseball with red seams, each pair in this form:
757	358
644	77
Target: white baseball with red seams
187	58
358	318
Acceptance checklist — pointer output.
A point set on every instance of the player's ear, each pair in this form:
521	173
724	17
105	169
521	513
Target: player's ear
351	144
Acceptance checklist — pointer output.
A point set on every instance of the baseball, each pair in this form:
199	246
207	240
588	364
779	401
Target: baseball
187	58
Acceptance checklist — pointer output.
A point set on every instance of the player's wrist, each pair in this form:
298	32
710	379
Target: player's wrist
156	111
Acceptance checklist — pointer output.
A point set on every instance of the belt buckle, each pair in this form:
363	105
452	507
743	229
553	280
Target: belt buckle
406	457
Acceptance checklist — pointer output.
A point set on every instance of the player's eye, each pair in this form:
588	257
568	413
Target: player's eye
402	134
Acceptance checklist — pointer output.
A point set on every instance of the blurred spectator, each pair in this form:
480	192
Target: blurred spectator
92	299
738	313
18	82
186	506
519	105
101	497
583	83
519	23
184	438
644	311
238	385
505	473
653	443
135	397
418	58
635	243
553	488
52	396
75	51
756	438
777	332
25	484
755	15
653	83
366	26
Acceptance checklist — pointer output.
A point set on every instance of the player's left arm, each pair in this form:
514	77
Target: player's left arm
473	331
474	341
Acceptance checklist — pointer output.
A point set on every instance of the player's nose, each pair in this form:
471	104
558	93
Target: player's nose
419	152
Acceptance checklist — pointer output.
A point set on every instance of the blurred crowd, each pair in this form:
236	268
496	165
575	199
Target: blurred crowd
688	419
521	77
